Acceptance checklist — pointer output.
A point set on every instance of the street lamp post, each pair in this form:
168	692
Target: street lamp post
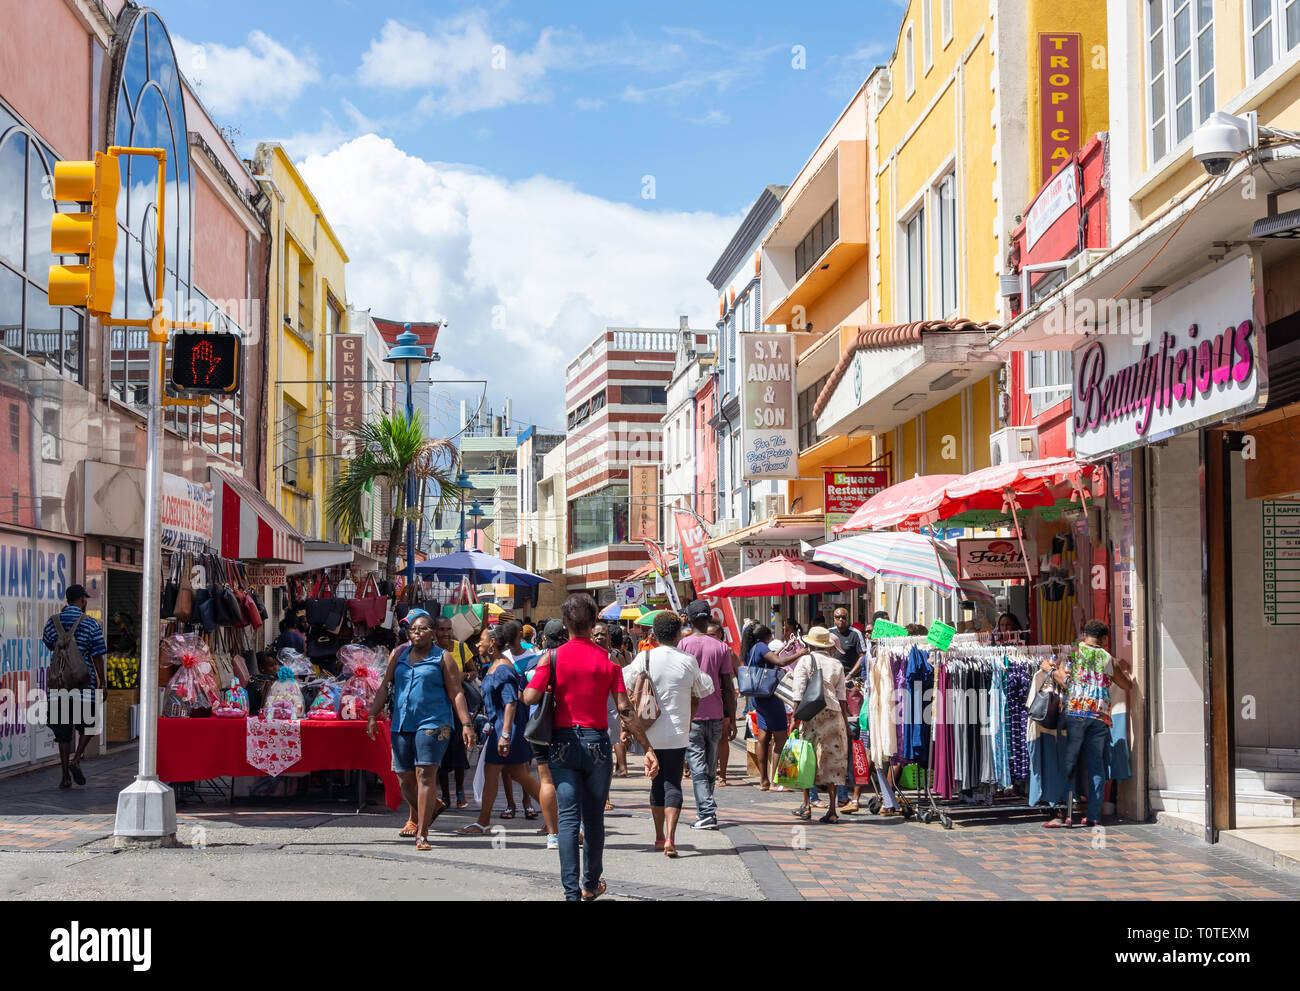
408	357
462	483
475	515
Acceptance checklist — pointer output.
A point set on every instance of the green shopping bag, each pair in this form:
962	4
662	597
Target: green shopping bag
911	777
797	766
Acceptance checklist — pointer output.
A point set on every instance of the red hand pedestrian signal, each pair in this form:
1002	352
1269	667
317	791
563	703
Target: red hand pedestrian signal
205	362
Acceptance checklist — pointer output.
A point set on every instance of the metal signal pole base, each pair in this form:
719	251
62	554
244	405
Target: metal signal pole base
146	810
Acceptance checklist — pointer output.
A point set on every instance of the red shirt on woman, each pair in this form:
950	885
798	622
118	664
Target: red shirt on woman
584	679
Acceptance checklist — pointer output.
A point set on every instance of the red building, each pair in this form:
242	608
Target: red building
706	450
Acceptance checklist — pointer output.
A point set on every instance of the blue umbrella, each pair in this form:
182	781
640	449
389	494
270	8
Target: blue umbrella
611	611
479	567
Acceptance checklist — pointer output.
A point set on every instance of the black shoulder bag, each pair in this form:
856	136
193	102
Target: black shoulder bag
542	722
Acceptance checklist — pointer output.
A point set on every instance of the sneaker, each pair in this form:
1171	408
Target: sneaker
705	822
553	841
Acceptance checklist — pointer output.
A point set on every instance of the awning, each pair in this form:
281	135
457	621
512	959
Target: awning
246	527
645	571
775	530
318	554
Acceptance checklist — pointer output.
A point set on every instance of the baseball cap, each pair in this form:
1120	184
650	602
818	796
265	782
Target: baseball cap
76	592
554	628
698	608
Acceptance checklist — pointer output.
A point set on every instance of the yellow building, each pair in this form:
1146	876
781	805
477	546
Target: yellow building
307	300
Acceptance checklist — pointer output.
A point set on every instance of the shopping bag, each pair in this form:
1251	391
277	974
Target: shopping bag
797	765
861	764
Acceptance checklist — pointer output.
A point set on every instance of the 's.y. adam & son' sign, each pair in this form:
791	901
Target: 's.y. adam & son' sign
1197	360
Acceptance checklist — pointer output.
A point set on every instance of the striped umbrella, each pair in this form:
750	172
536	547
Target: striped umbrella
610	612
903	558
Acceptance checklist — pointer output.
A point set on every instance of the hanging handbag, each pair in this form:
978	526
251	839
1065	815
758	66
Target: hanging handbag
206	610
367	610
249	605
645	703
541	724
814	698
324	609
243	659
222	670
233	597
183	608
171	588
1045	709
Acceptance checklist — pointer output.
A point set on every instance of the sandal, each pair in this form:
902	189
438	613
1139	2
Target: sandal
410	829
889	812
720	783
819	804
422	844
851	808
591	896
75	771
461	801
441	808
670	851
804	813
1057	824
764	787
507	814
829	819
473	829
530	813
659	845
609	806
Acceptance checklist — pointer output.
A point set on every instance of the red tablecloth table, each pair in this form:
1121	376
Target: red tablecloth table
199	749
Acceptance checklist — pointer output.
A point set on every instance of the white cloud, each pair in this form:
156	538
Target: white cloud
527	272
460	65
261	73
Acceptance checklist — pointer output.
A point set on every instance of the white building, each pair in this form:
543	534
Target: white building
680	478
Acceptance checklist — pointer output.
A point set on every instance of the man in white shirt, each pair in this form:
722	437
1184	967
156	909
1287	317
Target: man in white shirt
678	685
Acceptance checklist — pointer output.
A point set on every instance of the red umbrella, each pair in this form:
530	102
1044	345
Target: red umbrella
886	508
783	576
1015	486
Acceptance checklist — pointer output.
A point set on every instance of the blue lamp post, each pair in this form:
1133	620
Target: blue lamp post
408	358
475	515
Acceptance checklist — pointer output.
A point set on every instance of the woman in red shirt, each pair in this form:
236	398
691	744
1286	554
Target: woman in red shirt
581	755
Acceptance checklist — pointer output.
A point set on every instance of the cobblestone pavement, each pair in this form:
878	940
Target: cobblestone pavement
761	851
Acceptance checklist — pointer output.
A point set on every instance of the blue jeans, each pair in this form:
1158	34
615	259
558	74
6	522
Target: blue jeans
581	769
706	735
1087	737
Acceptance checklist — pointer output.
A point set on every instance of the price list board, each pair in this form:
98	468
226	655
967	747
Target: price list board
1282	563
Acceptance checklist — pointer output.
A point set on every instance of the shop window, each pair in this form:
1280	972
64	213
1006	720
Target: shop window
599	519
1180	70
48	335
1274	29
1049	378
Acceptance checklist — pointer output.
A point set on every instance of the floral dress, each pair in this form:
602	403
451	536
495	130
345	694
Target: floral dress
826	731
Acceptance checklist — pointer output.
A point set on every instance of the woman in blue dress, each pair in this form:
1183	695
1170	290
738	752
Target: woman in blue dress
505	751
770	710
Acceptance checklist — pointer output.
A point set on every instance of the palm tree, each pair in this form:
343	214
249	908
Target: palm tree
393	448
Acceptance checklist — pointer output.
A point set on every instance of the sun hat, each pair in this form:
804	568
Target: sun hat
818	636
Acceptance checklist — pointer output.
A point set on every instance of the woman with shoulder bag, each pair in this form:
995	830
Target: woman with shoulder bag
771	717
827	729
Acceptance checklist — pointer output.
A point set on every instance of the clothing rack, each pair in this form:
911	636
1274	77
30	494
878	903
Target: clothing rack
964	647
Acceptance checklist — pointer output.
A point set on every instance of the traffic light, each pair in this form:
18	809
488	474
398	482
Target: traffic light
92	234
205	362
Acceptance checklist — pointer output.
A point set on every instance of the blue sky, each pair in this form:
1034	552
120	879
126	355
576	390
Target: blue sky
550	114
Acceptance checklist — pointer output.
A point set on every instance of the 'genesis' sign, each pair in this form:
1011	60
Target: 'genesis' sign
1200	362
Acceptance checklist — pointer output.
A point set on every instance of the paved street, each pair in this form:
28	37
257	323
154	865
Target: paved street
56	845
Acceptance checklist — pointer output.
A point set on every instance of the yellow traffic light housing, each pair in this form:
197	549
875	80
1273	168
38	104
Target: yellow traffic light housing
93	234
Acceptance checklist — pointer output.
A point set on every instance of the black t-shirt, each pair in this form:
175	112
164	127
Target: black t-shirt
848	647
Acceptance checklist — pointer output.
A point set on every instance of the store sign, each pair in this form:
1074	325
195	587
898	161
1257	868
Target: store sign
996	557
706	571
349	392
644	502
1199	362
186	513
1059	69
1060	195
629	593
34	577
769	436
846	489
266	574
752	555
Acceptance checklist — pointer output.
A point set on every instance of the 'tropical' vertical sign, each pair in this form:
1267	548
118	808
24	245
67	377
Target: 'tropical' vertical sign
1058	99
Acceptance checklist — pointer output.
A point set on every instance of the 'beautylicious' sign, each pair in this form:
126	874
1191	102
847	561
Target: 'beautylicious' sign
1201	365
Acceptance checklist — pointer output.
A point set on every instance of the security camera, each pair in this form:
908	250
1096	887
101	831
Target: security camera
1222	139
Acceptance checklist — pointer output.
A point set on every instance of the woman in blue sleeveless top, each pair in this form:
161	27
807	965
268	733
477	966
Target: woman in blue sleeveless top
425	684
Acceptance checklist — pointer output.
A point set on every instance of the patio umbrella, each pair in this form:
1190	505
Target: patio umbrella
885	508
611	612
782	576
633	612
478	567
902	558
648	617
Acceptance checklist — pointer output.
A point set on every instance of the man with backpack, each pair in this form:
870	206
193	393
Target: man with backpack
76	665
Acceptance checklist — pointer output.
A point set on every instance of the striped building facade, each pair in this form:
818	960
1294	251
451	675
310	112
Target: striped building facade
615	398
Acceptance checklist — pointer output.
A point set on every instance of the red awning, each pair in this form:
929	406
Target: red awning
641	573
783	576
246	527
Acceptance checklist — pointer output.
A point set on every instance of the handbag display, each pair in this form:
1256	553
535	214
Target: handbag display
323	609
183	608
542	722
171	588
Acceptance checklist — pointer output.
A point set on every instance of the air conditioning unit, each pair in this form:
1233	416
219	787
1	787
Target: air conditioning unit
1012	444
726	526
773	505
1084	259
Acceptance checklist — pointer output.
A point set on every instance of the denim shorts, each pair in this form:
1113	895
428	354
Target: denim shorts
423	748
